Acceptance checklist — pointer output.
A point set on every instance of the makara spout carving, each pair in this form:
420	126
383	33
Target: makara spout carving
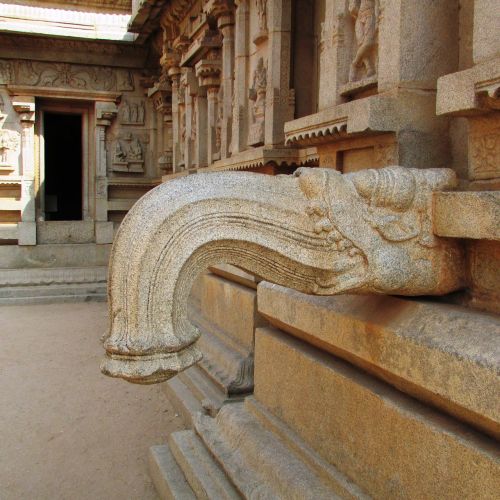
319	232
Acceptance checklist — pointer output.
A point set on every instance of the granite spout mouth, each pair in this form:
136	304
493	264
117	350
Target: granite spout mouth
149	368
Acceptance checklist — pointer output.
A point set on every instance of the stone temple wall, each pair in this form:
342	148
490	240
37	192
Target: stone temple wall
351	396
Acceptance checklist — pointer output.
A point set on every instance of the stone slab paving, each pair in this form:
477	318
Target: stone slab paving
66	431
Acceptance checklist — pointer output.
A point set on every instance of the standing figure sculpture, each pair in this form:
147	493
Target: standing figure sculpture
262	14
257	94
120	156
365	14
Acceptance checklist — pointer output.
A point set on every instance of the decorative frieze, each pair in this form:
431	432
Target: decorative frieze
64	75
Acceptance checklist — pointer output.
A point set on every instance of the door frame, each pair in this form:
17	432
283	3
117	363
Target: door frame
64	107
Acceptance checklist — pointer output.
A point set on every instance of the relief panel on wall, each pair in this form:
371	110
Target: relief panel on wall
132	112
10	143
128	150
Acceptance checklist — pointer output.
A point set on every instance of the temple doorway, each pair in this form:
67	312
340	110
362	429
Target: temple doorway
63	182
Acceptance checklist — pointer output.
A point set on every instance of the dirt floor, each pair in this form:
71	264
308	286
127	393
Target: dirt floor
66	431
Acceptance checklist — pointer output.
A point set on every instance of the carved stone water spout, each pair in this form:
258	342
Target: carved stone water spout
319	232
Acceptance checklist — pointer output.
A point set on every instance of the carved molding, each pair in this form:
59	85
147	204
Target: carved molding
319	232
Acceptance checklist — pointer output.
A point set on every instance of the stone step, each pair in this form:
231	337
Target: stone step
44	276
183	399
261	465
169	481
53	293
207	480
45	285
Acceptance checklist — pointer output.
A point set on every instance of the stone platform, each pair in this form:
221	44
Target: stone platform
53	273
354	397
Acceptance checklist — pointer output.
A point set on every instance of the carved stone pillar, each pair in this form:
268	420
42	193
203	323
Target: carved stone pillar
190	120
25	106
223	11
105	113
333	65
161	95
226	25
208	72
280	97
213	134
240	101
174	74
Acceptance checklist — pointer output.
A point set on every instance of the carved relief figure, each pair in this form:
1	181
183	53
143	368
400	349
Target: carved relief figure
9	141
133	113
64	75
126	81
135	150
365	15
6	74
262	14
140	113
257	94
120	156
126	111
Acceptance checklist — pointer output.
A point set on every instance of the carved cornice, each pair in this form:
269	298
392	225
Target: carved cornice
105	112
317	133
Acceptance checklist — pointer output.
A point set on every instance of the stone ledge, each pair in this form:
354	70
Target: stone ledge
51	276
468	92
258	157
375	114
444	355
473	215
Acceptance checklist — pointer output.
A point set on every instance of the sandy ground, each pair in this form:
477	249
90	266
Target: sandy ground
66	431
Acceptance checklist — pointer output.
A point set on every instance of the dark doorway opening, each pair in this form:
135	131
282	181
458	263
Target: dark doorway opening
63	166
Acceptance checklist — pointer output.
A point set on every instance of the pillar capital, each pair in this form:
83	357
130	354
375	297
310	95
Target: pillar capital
25	107
220	9
208	72
105	112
